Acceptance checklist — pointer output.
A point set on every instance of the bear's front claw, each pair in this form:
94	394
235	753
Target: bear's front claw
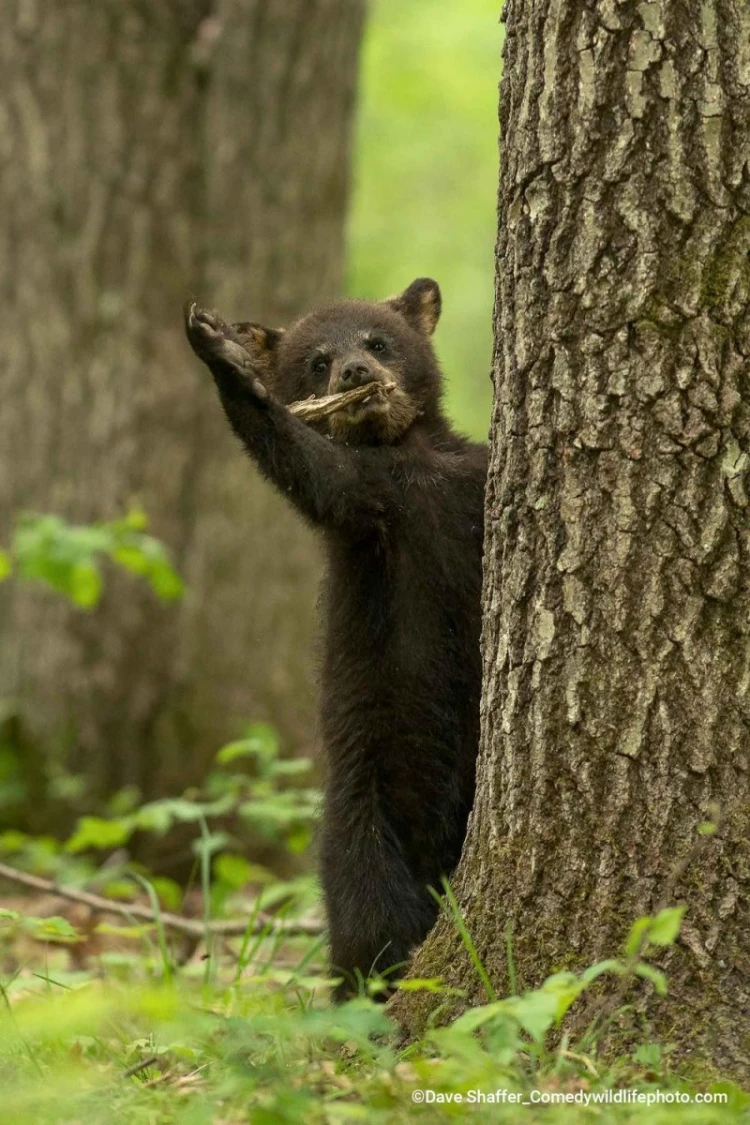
205	329
211	324
213	340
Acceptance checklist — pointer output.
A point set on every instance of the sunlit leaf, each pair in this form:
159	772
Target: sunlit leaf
477	1017
95	832
666	925
421	984
85	584
234	870
635	937
53	928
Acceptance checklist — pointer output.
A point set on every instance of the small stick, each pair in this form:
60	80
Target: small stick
231	927
315	409
150	1060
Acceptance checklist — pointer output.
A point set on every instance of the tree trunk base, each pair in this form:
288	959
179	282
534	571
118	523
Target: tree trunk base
702	1023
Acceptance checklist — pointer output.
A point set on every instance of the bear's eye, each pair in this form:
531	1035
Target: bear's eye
376	345
320	366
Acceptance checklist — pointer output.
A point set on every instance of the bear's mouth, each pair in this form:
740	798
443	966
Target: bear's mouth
374	402
376	399
380	413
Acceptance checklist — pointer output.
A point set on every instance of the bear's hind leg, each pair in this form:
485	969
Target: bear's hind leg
378	911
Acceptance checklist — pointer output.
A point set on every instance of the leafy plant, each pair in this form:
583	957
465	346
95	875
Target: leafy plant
245	1032
260	797
265	1047
68	557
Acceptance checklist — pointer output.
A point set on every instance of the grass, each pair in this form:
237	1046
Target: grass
132	1040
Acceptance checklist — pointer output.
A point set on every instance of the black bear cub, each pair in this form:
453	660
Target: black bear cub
399	498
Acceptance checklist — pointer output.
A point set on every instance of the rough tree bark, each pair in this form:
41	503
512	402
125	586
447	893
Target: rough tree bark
152	151
616	645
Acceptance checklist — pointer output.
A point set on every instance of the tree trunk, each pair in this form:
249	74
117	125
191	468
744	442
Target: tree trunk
154	151
616	645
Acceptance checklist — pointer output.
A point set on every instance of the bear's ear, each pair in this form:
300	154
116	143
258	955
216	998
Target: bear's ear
261	343
419	304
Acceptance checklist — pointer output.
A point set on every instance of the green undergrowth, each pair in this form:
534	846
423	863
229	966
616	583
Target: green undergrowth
116	1044
243	1031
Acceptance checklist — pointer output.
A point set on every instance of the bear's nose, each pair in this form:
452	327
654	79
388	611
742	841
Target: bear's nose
354	373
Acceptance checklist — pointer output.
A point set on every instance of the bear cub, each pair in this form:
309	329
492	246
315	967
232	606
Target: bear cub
398	496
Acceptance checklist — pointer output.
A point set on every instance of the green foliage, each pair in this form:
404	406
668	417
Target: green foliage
68	558
426	169
243	1031
534	1014
268	799
265	1047
50	928
259	797
659	930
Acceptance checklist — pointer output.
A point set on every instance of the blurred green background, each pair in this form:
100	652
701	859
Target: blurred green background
425	177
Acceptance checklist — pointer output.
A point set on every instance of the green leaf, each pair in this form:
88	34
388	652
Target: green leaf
234	870
66	556
290	767
595	971
485	1013
124	800
165	582
566	987
633	944
133	932
66	787
536	1012
135	519
242	748
6	566
264	737
648	1054
666	925
143	555
117	888
421	984
54	927
131	558
657	978
210	844
95	832
168	891
158	816
12	841
299	839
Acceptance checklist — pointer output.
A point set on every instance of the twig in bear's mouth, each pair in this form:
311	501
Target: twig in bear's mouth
315	409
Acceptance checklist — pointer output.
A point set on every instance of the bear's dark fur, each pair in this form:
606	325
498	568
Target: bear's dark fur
399	498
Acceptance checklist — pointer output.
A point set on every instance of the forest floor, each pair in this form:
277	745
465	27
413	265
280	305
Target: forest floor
103	1021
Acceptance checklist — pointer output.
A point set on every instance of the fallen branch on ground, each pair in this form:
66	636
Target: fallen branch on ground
193	927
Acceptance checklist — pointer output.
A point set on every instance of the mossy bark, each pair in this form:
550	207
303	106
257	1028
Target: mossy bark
616	645
153	152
